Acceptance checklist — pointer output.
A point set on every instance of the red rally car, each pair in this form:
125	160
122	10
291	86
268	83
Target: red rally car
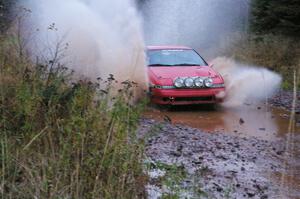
179	76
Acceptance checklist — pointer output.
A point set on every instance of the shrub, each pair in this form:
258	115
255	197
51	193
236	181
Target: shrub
62	138
277	53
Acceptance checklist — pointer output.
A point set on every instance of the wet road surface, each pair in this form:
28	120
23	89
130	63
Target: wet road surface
261	121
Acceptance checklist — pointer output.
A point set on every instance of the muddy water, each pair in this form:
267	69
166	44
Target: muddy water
261	121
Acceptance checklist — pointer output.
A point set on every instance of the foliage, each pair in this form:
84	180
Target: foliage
176	182
276	17
5	13
61	138
277	53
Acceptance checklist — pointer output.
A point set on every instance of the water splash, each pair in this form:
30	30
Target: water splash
95	38
208	25
201	24
244	82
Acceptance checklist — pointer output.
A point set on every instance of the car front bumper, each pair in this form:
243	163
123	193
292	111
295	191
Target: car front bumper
187	96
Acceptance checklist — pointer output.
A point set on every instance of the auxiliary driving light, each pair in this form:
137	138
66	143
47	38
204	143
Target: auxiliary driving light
189	82
179	82
208	82
199	82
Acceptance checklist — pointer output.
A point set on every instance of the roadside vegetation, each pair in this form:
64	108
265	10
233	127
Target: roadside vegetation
62	138
275	52
272	39
175	181
6	14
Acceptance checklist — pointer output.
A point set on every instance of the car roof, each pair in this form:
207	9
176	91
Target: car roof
168	47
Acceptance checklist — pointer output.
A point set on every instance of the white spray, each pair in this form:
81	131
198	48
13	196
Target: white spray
101	37
201	24
207	26
245	83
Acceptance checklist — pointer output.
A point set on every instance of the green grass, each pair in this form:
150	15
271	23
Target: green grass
61	138
173	179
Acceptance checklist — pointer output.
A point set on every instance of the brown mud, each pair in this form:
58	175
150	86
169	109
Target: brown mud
244	149
265	122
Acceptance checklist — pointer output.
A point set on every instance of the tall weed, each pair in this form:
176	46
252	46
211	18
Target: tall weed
61	138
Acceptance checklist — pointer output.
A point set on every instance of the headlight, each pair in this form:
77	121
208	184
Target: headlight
179	83
208	82
199	82
189	82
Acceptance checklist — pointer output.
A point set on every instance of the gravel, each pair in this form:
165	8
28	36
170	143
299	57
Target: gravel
236	167
285	99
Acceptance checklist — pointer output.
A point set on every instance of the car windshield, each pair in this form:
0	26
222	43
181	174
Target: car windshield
176	57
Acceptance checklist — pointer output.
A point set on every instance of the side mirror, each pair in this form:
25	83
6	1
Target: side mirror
211	65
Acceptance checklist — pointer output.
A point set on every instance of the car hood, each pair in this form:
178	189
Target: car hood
172	72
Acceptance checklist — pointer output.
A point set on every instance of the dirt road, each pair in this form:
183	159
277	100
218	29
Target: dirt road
226	153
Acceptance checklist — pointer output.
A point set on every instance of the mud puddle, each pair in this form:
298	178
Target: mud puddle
261	121
257	122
